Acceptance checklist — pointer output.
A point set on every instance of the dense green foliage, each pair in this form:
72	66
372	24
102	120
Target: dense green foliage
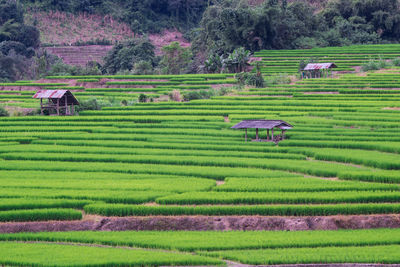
17	42
124	56
142	16
279	25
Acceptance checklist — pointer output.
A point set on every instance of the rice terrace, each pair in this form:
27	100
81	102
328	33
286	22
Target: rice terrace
264	153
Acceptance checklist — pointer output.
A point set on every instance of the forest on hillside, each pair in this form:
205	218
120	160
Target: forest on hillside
270	24
216	28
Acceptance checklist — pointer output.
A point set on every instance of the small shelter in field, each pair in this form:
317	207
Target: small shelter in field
269	125
318	70
57	102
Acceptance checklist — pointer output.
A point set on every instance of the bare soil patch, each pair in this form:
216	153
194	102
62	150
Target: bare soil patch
208	223
327	265
392	108
321	93
289	96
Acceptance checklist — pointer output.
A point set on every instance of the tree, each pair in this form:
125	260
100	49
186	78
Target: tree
29	36
11	10
124	56
213	64
9	29
175	58
237	60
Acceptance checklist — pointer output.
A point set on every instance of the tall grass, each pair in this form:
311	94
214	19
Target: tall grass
274	210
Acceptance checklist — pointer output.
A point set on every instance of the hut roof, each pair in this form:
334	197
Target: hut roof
56	94
263	124
320	66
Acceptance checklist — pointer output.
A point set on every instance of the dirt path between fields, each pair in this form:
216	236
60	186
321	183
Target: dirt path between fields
207	223
323	265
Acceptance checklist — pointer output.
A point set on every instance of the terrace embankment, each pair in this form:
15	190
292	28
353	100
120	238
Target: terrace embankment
205	223
322	265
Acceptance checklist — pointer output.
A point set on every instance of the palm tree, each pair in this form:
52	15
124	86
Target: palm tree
8	29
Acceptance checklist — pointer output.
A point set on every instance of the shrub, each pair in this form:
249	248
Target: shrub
142	98
252	79
143	68
225	90
90	104
175	58
3	112
278	79
396	62
202	94
375	65
175	95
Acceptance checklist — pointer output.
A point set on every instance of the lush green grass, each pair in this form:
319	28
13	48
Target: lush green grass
199	198
372	254
218	240
39	215
39	254
273	210
172	152
38	203
298	184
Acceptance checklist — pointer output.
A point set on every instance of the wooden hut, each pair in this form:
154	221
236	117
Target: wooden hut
318	70
269	125
59	102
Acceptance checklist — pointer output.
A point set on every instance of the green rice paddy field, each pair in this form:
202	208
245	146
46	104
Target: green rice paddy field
182	158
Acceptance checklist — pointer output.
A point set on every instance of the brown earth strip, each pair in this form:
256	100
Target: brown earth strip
321	265
392	108
321	93
208	223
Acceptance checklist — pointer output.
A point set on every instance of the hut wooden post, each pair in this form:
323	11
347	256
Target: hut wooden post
257	134
283	134
41	106
72	109
245	135
58	106
66	105
50	105
267	134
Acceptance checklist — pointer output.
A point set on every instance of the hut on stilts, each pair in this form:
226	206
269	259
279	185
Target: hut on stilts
318	70
269	125
59	102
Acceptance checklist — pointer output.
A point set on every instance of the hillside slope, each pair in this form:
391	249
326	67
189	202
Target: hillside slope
78	39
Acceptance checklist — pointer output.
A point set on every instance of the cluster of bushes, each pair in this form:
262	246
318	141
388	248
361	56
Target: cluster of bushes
138	57
3	112
380	64
17	42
